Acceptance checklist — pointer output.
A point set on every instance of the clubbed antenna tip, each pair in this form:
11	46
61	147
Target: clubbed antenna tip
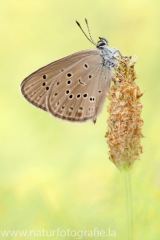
91	40
78	23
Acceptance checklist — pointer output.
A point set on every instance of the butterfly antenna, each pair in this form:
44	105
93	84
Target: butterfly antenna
84	32
89	32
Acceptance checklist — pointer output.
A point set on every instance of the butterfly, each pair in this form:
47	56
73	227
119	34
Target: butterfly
73	88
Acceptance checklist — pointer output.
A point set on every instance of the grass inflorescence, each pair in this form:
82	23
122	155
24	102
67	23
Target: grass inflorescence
124	123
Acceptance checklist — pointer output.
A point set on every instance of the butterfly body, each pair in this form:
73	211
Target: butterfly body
73	88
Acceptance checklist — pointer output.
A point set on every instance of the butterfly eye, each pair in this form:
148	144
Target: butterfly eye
47	88
90	76
78	95
55	94
86	65
43	84
57	83
67	92
44	76
101	44
99	91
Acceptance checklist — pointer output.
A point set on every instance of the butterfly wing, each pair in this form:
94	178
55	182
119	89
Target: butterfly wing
34	88
79	92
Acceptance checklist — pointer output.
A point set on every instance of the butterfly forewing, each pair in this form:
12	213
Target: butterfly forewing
78	93
36	86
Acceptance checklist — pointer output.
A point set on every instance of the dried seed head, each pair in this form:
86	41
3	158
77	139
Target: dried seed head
124	122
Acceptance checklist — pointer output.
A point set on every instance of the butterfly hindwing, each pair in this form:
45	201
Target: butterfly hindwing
78	93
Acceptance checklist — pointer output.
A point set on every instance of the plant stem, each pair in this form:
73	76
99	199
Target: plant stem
125	171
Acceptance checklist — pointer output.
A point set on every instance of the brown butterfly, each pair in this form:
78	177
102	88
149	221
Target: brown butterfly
73	88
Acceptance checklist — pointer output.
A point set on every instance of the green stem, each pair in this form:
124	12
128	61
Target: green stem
125	170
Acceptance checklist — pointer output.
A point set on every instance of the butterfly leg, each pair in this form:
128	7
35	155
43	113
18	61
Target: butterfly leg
114	51
117	72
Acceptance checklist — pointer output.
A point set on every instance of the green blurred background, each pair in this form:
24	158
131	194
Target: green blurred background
55	174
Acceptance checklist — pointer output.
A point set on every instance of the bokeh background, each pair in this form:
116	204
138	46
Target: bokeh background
55	174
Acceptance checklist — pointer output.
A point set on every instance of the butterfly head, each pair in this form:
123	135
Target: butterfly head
102	43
